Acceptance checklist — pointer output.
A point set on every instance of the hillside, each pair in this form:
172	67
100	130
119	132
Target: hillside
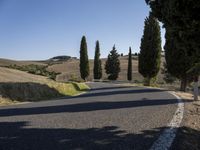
21	86
69	68
8	62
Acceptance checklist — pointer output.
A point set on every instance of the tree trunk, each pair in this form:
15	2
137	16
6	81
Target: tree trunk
148	81
183	84
196	89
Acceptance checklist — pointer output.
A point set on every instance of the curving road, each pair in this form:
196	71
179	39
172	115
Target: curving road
109	117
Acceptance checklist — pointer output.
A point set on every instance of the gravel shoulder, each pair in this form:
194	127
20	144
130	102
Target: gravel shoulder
188	136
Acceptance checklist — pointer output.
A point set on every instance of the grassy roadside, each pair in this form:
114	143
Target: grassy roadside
17	86
13	93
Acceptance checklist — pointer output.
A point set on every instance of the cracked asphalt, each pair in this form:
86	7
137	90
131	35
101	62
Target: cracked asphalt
108	117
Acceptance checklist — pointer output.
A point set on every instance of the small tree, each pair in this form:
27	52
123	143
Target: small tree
150	50
84	62
97	71
129	73
112	65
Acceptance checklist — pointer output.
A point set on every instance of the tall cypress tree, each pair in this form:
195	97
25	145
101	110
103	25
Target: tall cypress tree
84	62
129	73
97	71
177	59
150	50
112	65
181	20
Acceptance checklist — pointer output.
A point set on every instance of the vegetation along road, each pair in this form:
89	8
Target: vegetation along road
108	117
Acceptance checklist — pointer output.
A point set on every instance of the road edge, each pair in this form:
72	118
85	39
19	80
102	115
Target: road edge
167	137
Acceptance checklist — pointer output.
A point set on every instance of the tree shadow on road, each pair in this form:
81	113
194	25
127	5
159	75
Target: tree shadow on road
187	139
15	137
117	91
19	136
85	107
110	88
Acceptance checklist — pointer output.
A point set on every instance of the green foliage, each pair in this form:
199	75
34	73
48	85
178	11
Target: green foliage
112	65
97	71
177	58
73	78
168	78
195	70
36	69
61	58
150	50
84	62
181	20
129	73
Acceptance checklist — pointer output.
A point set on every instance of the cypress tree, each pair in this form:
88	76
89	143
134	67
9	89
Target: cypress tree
84	62
112	65
129	73
177	59
97	71
181	20
150	50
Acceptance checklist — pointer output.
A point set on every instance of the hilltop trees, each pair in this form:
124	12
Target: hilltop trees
112	65
150	50
97	71
84	62
129	72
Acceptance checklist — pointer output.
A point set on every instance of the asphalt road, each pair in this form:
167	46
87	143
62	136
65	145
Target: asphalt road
109	117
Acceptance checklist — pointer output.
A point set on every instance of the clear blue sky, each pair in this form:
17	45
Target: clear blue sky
40	29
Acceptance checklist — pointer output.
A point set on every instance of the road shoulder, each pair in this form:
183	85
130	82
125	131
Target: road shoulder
188	135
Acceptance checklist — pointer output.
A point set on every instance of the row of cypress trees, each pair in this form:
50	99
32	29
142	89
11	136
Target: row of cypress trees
112	65
149	57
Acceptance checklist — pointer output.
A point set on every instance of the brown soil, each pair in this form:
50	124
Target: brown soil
188	136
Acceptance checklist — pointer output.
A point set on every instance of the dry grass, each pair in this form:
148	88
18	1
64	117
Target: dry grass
8	62
21	86
12	75
70	69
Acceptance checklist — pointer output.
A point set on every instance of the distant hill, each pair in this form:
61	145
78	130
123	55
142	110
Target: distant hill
69	67
8	62
54	60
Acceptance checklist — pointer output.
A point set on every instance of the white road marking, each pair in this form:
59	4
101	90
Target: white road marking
165	140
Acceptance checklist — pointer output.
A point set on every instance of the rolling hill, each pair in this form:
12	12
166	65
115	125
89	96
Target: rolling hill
20	86
69	68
